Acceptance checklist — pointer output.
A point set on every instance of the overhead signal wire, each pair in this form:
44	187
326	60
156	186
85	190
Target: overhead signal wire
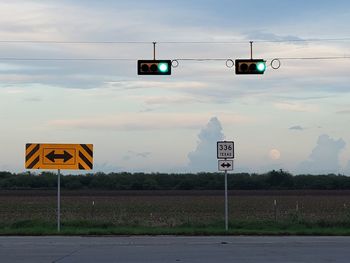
257	41
313	58
178	59
280	58
177	42
67	59
72	42
170	42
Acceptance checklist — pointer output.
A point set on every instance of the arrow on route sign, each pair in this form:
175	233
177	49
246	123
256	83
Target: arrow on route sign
225	165
53	156
59	156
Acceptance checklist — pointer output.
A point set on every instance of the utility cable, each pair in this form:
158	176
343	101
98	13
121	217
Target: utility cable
178	42
177	59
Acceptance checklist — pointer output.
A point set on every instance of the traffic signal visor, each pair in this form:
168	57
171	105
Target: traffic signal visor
154	67
250	66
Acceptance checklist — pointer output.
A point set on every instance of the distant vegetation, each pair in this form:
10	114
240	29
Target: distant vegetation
278	180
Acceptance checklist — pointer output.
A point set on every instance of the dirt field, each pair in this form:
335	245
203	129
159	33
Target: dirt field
171	208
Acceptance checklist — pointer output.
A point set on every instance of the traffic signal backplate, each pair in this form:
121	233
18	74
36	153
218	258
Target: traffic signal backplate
250	66
154	67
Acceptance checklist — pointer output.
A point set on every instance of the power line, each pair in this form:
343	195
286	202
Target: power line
72	42
312	58
305	40
259	41
176	59
201	59
66	59
279	58
178	42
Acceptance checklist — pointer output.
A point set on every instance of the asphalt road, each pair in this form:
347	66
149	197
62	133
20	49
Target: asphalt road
163	249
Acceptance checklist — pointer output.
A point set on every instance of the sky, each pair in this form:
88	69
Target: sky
294	118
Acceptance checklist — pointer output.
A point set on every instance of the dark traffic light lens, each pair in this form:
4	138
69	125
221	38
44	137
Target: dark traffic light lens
154	68
252	67
144	68
244	67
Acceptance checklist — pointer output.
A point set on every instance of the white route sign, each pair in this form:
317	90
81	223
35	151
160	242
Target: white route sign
225	150
225	165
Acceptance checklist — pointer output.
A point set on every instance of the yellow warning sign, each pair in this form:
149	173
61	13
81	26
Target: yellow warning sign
59	156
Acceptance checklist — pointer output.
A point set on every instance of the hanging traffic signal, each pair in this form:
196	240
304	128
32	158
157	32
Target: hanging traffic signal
250	66
154	67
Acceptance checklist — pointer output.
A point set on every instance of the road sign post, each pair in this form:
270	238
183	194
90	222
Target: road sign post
60	157
225	150
226	203
59	201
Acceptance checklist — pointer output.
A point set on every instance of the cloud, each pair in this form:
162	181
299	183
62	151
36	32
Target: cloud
142	84
143	121
299	107
343	112
324	158
107	168
65	21
203	158
159	100
133	155
296	128
33	99
347	168
261	35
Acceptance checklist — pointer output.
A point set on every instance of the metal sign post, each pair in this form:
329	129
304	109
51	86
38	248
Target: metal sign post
59	201
59	157
226	203
225	150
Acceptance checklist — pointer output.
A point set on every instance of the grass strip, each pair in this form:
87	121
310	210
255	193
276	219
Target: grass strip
35	227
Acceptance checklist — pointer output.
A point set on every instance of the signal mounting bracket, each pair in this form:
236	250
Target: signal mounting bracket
251	49
154	50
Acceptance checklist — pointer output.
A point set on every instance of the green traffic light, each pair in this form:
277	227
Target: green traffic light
163	67
154	67
261	66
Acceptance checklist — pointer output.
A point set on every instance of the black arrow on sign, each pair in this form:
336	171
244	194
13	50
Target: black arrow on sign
66	156
224	165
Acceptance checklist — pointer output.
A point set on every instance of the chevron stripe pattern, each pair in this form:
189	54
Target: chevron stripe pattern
59	156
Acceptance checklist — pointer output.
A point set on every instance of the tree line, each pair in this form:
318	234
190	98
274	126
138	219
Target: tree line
278	180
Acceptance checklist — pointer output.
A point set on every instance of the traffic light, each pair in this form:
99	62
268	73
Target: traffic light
154	67
250	66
